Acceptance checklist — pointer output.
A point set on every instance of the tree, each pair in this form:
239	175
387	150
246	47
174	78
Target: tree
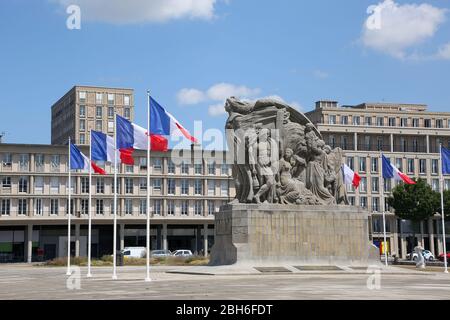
446	203
415	202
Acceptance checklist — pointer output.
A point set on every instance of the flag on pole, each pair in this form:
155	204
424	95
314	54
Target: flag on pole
391	172
445	153
130	137
79	161
351	177
163	123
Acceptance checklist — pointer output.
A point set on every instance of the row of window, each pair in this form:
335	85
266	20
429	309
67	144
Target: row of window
391	121
99	98
398	162
183	209
99	112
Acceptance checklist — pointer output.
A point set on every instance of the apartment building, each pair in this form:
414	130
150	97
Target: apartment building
409	135
187	188
84	108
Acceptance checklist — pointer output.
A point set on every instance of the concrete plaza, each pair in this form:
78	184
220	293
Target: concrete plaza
32	282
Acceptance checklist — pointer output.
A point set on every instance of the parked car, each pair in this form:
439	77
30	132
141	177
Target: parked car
183	253
134	252
441	257
161	253
427	254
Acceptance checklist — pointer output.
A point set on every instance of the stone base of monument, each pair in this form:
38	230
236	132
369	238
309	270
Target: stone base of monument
271	234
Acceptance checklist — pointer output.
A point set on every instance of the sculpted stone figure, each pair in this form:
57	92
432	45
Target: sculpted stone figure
279	156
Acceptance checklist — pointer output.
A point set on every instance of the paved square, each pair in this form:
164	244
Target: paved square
31	282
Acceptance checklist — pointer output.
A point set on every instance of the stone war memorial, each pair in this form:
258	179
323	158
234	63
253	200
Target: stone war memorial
291	204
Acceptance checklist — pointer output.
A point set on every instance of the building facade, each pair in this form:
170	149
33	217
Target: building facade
84	108
187	188
409	135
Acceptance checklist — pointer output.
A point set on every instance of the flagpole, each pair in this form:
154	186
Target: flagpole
114	276
442	209
383	207
147	278
89	275
69	215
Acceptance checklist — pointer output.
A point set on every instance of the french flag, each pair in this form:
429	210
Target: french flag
79	161
102	147
163	123
130	137
390	171
350	177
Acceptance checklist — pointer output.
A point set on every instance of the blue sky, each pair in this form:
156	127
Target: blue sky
301	51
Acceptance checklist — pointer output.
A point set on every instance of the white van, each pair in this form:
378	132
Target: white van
134	252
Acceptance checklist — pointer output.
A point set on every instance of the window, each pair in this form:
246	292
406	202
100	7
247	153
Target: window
434	166
331	119
422	166
170	207
332	141
410	165
212	168
224	170
415	145
367	143
82	111
85	206
171	167
439	123
211	188
198	207
435	185
375	204
127	113
84	185
143	184
143	163
224	188
100	185
198	190
447	184
351	162
126	100
211	207
363	202
368	121
117	187
111	112
362	164
7	160
98	125
23	184
99	98
6	207
143	207
6	182
374	165
157	207
403	122
403	144
156	184
351	200
399	164
344	120
415	122
387	185
39	184
24	162
99	207
198	168
54	207
157	164
392	122
38	207
344	142
185	208
171	186
128	185
82	138
82	125
380	121
375	184
427	123
129	169
184	187
184	168
128	206
55	161
363	185
54	185
82	96
98	112
110	98
22	207
356	120
39	162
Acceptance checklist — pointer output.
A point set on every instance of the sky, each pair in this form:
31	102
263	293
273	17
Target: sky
192	54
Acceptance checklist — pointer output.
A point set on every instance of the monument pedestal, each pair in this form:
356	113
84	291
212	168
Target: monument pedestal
292	234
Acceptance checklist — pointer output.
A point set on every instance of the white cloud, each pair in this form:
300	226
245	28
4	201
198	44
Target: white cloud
319	74
216	110
141	11
401	27
222	91
444	52
190	96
